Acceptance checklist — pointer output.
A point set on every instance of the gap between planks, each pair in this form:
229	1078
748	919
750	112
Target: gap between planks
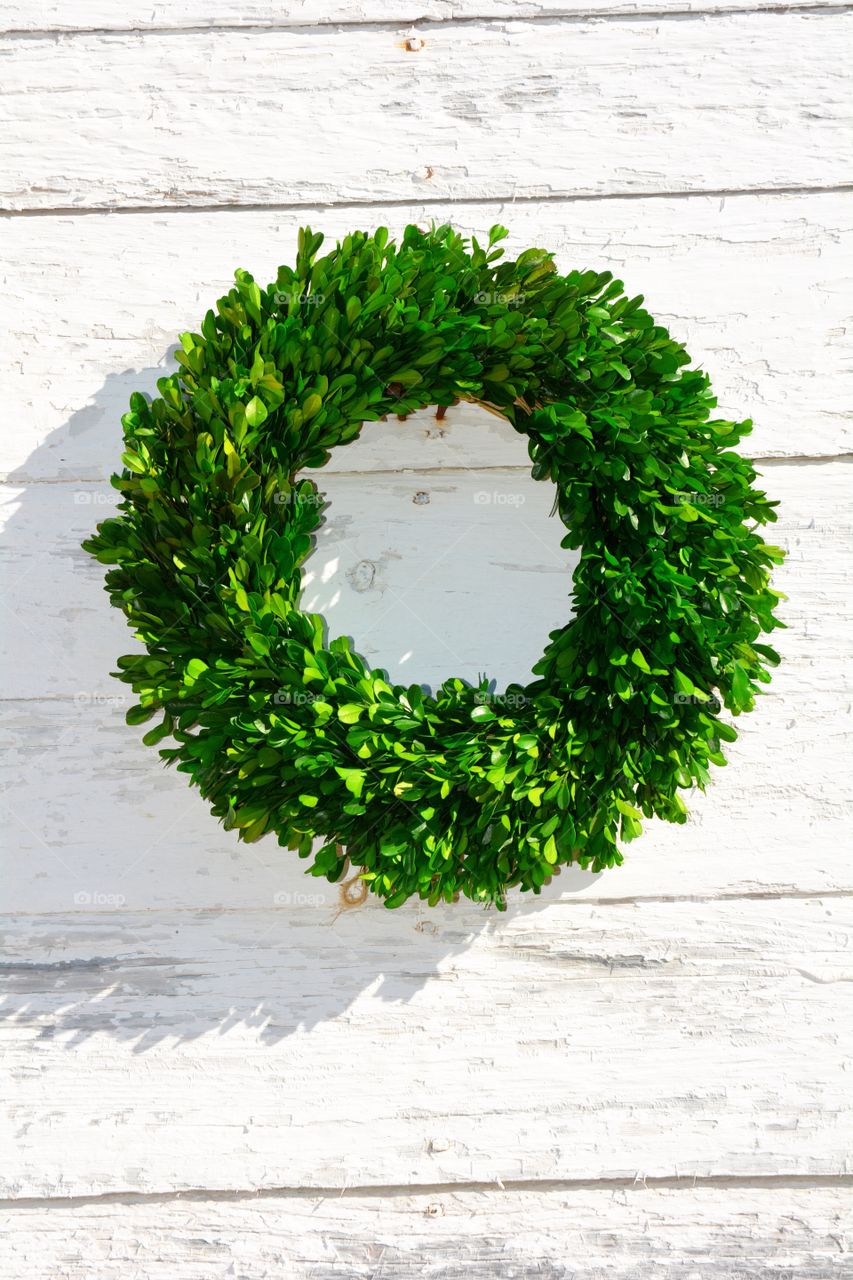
635	899
502	202
562	16
725	1182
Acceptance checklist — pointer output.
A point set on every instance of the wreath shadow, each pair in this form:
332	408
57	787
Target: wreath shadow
137	916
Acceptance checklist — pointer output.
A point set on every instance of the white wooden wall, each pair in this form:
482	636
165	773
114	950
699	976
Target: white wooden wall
214	1066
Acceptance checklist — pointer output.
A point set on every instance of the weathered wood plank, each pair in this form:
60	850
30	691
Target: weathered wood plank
732	1233
426	569
148	1051
103	15
433	573
91	818
478	109
387	569
756	286
273	1041
454	572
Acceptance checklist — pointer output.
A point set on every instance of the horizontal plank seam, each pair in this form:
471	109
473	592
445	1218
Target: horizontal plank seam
795	460
726	1182
424	24
722	193
745	895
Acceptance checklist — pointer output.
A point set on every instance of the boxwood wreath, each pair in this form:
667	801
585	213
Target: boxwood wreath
465	790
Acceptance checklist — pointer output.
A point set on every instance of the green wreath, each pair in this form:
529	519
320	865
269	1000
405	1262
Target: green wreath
466	790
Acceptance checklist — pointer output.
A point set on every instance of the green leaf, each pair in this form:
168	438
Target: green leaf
682	683
139	714
741	688
638	659
397	899
406	377
134	463
157	734
256	412
312	406
354	779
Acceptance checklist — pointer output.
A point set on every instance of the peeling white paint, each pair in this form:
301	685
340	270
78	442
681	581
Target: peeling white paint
758	291
234	1069
484	109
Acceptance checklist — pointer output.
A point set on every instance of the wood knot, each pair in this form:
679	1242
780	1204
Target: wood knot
362	575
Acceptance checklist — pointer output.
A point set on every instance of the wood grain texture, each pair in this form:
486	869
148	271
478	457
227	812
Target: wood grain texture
235	1073
757	287
91	818
738	1232
433	574
481	109
450	585
37	16
155	1051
